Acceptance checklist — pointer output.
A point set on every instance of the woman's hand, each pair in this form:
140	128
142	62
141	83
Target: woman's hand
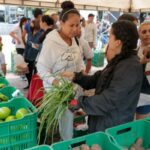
55	82
67	74
146	57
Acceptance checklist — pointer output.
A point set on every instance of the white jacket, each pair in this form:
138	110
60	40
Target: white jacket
57	56
147	68
90	33
144	98
86	50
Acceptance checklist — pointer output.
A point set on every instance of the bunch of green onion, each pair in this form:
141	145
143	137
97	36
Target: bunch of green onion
54	104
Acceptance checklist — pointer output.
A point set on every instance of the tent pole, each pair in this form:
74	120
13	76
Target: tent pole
130	7
57	3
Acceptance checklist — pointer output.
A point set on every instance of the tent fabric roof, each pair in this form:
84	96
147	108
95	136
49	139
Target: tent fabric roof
118	5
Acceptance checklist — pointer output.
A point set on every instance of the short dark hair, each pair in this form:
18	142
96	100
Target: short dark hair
128	17
91	15
37	12
48	20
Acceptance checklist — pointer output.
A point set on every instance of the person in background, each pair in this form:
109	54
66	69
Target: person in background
55	17
37	13
17	35
2	60
86	51
143	109
144	53
83	24
47	24
27	26
32	48
129	17
117	86
90	31
60	52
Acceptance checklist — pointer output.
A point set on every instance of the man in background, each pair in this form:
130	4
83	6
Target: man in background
90	31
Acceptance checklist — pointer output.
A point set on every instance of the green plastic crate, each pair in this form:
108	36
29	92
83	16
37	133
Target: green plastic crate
10	92
41	147
147	119
4	81
99	138
125	135
98	59
20	133
78	133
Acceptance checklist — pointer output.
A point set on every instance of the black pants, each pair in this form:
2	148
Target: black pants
20	51
32	70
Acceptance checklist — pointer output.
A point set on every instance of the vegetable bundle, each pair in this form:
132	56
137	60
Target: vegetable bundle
54	104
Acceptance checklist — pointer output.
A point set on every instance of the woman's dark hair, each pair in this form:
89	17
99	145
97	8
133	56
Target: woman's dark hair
23	19
127	32
128	17
48	20
37	12
67	8
35	25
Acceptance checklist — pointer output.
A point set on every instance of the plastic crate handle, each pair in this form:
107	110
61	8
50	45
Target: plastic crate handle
30	109
122	131
111	139
16	93
77	144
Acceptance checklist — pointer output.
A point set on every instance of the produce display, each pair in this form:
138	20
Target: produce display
16	133
10	118
138	145
2	85
21	113
3	98
54	104
5	114
86	147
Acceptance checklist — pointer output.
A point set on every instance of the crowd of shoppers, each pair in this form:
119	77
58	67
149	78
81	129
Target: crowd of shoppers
62	45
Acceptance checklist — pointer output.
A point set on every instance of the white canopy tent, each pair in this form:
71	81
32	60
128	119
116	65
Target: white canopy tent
118	5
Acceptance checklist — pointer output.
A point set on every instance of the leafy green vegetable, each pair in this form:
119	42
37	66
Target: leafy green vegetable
54	104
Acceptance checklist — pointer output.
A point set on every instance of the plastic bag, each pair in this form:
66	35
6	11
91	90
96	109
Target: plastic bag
98	59
36	90
66	125
21	66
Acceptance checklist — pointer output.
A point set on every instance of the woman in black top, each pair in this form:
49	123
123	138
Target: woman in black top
47	24
117	86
